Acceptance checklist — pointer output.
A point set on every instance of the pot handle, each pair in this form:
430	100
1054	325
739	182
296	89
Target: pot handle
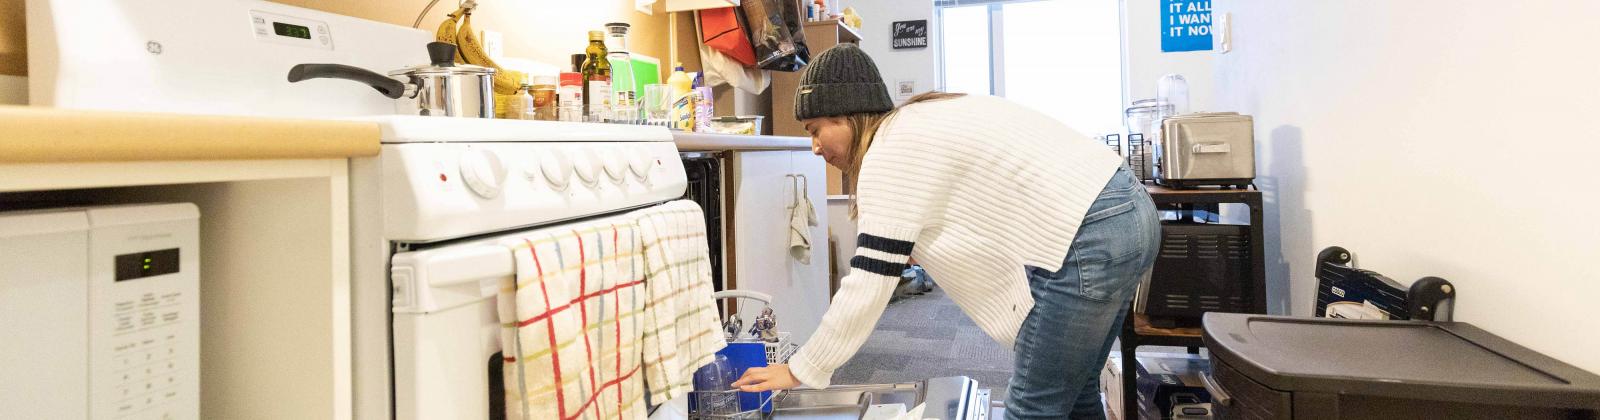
391	88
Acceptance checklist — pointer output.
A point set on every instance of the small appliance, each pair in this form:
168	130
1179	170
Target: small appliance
102	312
1208	148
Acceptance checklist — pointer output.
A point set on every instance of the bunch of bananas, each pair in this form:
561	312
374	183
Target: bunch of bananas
469	50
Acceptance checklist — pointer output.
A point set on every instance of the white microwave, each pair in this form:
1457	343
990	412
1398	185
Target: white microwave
100	312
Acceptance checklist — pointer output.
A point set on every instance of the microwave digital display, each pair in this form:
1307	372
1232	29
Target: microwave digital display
139	265
292	31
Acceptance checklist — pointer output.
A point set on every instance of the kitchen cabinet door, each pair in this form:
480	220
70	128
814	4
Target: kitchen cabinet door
762	187
813	277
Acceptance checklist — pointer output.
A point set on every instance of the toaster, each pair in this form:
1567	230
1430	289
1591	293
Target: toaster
1207	148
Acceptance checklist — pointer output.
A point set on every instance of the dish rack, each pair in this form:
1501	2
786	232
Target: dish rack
724	404
1133	153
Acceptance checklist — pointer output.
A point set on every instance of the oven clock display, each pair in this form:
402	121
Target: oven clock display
292	31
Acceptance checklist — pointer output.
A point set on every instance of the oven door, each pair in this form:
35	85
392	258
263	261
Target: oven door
446	331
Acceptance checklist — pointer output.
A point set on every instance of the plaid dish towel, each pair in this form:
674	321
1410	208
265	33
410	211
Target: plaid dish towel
681	327
571	326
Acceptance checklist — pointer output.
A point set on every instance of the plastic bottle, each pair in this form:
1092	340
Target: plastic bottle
703	104
679	81
683	102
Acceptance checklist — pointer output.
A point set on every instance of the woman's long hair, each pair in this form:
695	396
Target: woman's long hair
864	126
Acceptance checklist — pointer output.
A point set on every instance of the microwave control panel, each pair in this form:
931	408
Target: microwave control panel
144	341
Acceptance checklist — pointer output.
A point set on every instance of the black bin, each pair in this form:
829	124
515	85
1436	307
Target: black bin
1273	367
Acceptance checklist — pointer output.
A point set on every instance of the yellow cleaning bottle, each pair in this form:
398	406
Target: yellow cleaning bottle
683	102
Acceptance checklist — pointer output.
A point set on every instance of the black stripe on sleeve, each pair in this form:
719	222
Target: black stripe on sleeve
892	246
877	266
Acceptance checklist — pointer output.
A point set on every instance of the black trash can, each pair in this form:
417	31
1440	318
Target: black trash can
1273	367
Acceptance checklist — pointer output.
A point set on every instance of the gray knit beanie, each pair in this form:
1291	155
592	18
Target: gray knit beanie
841	81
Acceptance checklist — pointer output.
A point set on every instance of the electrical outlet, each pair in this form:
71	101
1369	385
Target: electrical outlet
494	44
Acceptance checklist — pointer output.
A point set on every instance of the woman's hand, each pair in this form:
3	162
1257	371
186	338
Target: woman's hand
770	378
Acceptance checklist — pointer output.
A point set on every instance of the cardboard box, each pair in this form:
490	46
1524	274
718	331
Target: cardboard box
1111	385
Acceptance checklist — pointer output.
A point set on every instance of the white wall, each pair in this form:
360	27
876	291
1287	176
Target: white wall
919	65
13	90
1145	63
1440	138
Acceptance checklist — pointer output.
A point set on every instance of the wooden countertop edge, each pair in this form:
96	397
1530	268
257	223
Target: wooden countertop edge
49	135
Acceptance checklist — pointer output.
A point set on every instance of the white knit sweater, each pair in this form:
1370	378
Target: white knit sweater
975	188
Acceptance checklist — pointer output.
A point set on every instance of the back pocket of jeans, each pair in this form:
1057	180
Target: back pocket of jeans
1100	279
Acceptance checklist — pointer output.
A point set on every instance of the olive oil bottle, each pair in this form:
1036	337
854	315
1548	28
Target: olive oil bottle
597	79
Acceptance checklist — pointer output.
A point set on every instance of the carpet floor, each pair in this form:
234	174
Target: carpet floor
927	336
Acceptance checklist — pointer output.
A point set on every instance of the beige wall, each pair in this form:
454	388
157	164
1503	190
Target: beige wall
542	30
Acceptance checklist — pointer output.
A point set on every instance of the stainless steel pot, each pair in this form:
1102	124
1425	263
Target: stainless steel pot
442	88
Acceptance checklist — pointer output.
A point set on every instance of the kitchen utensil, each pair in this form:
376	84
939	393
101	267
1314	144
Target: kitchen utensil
441	88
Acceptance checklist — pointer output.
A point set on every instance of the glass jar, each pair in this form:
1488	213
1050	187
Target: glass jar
544	98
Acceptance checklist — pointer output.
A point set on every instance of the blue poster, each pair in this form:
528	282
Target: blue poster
1185	25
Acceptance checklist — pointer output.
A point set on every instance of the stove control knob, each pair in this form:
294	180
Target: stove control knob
639	162
530	169
587	165
557	169
483	172
616	168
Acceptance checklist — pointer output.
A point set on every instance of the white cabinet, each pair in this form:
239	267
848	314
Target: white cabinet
275	260
761	190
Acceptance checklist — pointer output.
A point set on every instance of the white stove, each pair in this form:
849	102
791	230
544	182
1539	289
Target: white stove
425	217
424	212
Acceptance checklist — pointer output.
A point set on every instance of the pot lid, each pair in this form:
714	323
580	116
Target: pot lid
442	55
432	70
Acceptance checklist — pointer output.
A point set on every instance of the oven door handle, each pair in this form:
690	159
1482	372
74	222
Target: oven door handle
469	265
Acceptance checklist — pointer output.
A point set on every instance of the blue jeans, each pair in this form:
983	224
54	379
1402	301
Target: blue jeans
1078	311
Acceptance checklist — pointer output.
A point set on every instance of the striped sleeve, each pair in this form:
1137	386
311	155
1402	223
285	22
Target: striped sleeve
881	254
895	196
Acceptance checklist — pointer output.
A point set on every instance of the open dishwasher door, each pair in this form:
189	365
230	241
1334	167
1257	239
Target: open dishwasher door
948	398
955	398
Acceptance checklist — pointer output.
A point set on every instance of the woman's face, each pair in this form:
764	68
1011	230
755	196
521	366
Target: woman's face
831	138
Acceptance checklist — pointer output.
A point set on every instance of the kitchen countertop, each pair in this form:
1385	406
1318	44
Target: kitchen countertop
705	142
46	135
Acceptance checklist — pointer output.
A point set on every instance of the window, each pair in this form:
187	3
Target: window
1061	57
964	32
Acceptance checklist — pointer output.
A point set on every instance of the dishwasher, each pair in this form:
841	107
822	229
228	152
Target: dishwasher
947	398
944	398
